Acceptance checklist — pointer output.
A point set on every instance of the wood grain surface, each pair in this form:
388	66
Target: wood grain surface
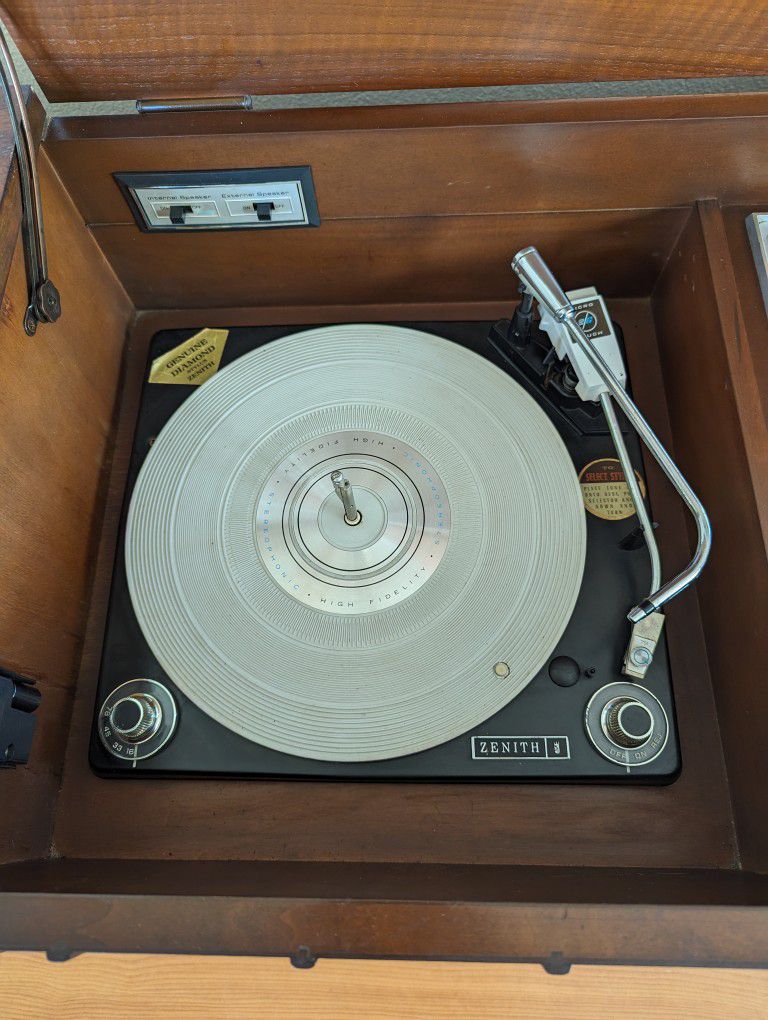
751	299
721	438
406	259
91	49
231	988
56	406
422	205
446	160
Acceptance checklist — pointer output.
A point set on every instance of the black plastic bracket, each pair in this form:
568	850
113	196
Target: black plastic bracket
522	343
19	699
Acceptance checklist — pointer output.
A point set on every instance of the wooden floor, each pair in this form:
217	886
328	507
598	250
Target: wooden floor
94	986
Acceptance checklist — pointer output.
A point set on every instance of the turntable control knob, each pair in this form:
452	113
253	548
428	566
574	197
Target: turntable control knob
136	717
627	722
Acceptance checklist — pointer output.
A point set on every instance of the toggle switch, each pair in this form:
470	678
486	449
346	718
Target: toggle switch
263	210
178	213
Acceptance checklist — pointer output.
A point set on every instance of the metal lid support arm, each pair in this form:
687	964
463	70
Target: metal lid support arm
538	278
44	301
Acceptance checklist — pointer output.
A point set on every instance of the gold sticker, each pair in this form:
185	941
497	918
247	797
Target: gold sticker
193	361
605	491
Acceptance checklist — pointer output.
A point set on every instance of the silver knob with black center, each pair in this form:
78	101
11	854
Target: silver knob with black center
627	722
136	718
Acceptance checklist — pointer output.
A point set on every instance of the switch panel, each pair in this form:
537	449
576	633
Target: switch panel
222	199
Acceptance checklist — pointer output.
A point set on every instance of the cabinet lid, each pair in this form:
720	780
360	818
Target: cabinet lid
129	49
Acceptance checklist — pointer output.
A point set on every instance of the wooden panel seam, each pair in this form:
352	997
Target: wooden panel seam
430	217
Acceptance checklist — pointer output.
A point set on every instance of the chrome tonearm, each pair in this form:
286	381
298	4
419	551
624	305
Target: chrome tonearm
539	281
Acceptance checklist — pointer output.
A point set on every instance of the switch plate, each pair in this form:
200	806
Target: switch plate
757	228
222	199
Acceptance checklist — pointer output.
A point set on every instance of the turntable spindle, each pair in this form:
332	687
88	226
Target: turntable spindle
344	491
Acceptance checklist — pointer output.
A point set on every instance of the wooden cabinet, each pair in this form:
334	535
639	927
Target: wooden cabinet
422	208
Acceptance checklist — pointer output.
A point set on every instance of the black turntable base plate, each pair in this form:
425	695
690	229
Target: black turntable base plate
539	735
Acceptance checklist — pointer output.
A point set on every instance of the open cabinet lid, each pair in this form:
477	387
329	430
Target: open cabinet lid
129	49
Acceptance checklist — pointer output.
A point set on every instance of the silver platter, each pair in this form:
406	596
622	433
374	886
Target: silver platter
344	643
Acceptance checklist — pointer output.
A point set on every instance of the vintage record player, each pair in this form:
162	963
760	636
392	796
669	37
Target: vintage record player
359	458
363	551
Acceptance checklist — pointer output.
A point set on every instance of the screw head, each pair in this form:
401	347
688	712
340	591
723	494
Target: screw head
641	656
30	322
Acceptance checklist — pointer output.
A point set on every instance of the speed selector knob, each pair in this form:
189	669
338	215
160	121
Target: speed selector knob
627	722
136	717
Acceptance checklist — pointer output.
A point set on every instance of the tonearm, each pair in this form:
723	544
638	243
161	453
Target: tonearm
599	381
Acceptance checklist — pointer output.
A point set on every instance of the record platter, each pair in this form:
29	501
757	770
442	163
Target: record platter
363	551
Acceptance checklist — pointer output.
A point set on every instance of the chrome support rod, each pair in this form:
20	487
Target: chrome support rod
538	278
44	301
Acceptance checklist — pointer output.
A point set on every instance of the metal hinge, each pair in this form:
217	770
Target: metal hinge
44	302
205	104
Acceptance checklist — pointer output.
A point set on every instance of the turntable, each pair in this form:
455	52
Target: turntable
395	552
